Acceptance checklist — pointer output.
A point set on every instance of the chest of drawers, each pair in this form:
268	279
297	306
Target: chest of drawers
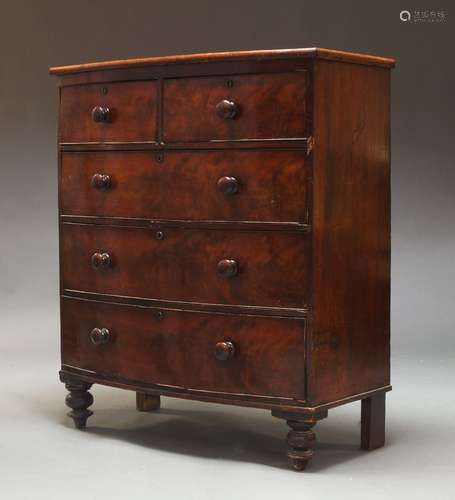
225	233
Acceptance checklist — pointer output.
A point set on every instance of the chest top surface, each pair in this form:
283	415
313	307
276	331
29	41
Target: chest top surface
243	55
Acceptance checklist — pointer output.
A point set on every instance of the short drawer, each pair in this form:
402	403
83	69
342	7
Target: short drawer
112	112
260	106
264	268
254	355
230	185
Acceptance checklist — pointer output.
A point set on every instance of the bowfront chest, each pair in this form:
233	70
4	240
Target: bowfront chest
225	233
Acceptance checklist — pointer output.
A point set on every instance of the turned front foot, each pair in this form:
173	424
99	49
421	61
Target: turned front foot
147	402
301	439
79	399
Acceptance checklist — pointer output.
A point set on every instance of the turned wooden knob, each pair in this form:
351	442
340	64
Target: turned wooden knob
224	350
102	182
100	336
228	185
101	114
227	268
101	260
227	110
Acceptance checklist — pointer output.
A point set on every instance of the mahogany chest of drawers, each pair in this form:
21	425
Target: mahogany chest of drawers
225	233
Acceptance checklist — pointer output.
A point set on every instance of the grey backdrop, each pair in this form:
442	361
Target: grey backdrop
36	35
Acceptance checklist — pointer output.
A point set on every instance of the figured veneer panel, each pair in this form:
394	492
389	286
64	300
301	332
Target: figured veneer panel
132	112
186	186
182	264
178	348
269	106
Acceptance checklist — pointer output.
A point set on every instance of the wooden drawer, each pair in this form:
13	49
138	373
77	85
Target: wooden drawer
228	185
177	348
131	114
191	265
263	106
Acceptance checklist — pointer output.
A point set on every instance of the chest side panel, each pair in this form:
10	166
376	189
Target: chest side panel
350	332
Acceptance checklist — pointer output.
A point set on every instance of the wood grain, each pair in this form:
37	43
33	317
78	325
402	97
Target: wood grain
350	334
182	265
133	107
178	348
272	185
270	106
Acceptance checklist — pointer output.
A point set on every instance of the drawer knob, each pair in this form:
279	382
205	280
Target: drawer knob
100	336
228	185
227	109
102	182
101	260
224	350
101	114
227	268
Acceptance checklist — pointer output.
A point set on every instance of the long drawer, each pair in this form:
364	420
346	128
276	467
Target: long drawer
262	268
206	351
222	185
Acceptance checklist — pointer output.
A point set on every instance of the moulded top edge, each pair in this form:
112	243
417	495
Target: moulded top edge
312	52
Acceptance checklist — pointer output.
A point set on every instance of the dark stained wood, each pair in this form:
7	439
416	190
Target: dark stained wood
301	439
229	212
181	264
224	68
227	268
227	110
271	185
228	185
147	402
284	312
132	115
313	52
351	232
79	399
101	260
178	348
187	224
100	336
373	422
102	182
297	407
224	350
103	114
263	107
288	144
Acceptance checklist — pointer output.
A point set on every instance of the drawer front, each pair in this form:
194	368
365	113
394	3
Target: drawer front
265	106
265	355
113	112
264	268
231	185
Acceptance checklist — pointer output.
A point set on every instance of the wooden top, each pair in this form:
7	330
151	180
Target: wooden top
313	52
